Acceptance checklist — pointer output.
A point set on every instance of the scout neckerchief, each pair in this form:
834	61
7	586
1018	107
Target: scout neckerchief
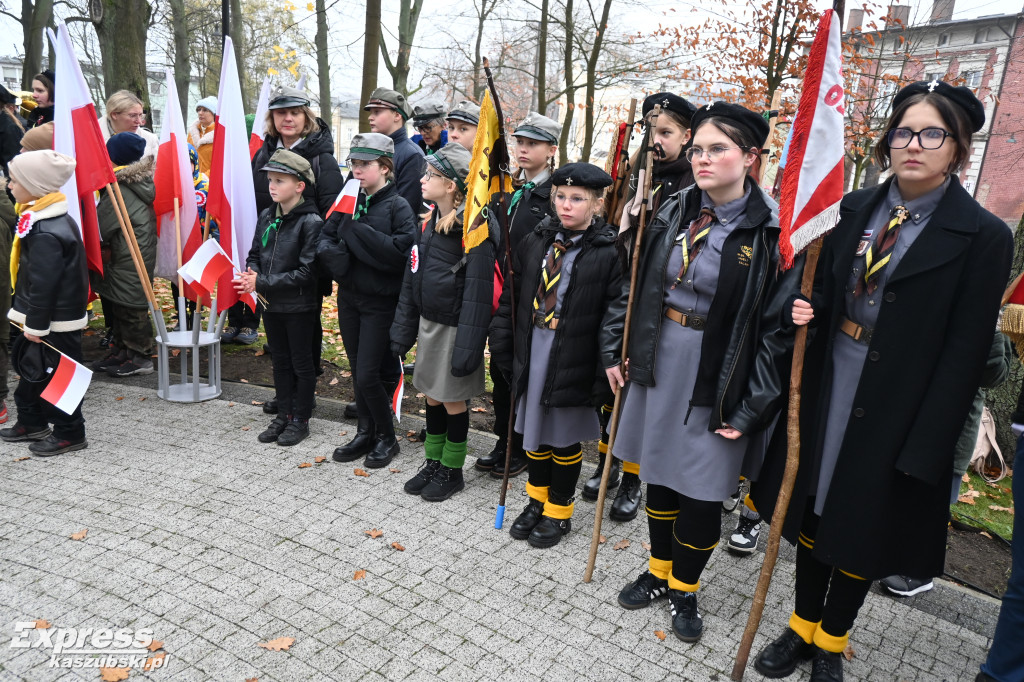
519	195
362	206
694	239
880	250
547	290
275	224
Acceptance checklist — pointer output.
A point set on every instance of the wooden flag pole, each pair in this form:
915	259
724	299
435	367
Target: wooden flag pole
177	240
613	422
773	119
133	248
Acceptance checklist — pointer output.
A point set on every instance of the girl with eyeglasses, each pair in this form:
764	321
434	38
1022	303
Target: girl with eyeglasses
905	302
706	358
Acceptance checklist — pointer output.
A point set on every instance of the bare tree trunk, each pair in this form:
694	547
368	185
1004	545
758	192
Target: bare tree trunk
34	18
570	91
408	18
323	66
542	59
595	54
121	33
238	39
181	63
371	43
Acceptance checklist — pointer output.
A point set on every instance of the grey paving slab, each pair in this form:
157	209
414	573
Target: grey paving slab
218	543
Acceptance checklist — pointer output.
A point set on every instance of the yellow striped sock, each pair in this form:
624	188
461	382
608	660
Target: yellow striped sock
674	584
804	628
539	456
662	515
630	468
750	504
602	447
558	511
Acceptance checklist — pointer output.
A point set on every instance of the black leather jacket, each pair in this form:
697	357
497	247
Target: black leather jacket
744	368
287	269
53	279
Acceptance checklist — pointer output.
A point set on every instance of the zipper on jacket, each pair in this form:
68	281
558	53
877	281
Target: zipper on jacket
270	269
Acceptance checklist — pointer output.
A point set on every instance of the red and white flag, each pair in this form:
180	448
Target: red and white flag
346	201
76	132
396	397
173	179
232	200
205	267
68	385
259	121
812	185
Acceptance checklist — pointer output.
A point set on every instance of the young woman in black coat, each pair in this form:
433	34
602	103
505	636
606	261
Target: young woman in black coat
905	303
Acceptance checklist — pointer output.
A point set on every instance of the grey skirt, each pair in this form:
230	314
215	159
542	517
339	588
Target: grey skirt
433	376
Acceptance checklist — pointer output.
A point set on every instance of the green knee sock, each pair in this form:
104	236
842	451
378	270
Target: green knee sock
434	446
454	455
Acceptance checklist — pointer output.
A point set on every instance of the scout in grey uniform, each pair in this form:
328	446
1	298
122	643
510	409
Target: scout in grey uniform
707	355
905	300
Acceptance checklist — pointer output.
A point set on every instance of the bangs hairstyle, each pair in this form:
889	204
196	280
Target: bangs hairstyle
673	116
594	194
121	101
743	138
310	127
955	118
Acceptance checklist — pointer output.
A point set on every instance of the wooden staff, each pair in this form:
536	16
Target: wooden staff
613	423
623	173
773	115
177	241
133	246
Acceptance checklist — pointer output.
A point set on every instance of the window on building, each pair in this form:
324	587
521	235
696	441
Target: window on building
883	101
943	39
972	79
157	115
982	36
156	87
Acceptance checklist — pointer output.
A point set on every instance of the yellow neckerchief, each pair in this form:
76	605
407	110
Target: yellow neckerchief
37	205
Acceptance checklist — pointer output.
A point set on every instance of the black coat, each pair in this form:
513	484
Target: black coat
369	255
448	287
670	177
41	116
318	149
745	349
53	280
576	375
409	165
10	139
888	502
286	266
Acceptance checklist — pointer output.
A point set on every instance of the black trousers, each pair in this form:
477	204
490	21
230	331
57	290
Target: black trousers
288	335
130	327
365	325
35	413
503	409
240	315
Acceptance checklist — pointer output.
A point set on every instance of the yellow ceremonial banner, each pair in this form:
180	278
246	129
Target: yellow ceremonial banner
485	180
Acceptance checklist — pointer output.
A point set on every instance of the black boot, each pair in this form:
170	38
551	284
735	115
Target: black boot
780	658
550	531
384	449
294	433
627	501
351	411
527	521
416	484
516	465
270	407
358	446
446	482
827	667
494	458
274	430
593	485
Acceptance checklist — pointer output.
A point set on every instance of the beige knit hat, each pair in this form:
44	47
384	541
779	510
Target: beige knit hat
40	137
41	172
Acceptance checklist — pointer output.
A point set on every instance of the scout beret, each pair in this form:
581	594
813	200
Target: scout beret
428	111
581	175
370	146
35	362
959	95
287	161
466	111
125	148
668	102
284	97
383	98
537	127
452	161
6	96
735	114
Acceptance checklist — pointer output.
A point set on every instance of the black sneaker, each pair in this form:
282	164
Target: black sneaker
294	433
416	484
744	538
113	358
686	620
137	364
19	433
274	430
827	667
51	445
445	483
642	591
905	586
780	658
516	466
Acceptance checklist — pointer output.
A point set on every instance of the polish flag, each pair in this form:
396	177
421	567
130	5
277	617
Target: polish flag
173	180
205	267
76	132
396	397
259	121
232	200
346	201
68	385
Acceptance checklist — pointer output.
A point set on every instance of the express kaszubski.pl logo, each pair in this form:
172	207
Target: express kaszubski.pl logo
89	647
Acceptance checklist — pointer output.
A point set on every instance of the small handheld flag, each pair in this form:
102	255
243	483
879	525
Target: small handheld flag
396	397
206	266
346	201
68	385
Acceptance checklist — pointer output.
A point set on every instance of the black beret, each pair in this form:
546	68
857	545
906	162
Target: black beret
961	96
35	362
735	114
6	96
668	101
581	175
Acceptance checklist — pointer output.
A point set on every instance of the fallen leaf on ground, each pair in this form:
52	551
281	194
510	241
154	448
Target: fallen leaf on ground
231	404
257	402
420	395
155	644
246	428
22	459
848	653
359	575
411	434
360	472
114	674
120	397
42	624
279	644
972	492
346	374
305	465
993	507
374	533
479	409
80	535
965	499
333	382
252	679
601	540
342	433
985	534
244	381
621	544
321	459
154	661
260	352
646	545
660	634
392	469
142	398
398	546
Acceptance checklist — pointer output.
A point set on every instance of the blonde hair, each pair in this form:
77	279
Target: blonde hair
446	223
310	127
122	101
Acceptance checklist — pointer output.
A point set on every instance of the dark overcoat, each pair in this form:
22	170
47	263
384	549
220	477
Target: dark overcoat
887	506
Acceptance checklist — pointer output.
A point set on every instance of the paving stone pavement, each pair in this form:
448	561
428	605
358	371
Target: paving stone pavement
217	543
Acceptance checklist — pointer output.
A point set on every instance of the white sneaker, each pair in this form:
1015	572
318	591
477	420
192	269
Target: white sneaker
744	538
905	586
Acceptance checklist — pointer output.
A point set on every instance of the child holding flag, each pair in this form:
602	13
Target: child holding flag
281	269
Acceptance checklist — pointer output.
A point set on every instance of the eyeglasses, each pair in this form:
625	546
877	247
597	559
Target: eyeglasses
928	138
714	152
426	128
429	175
135	117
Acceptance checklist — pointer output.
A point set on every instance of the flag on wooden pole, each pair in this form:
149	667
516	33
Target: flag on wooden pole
205	267
485	178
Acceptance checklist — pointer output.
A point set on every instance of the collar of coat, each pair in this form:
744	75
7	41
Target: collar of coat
957	211
205	135
761	208
136	172
30	217
599	233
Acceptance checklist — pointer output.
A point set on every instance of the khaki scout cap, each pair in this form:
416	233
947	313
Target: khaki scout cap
284	97
466	111
370	146
287	161
537	127
427	111
383	98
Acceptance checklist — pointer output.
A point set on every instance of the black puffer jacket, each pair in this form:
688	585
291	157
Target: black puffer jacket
369	255
446	286
744	354
286	266
53	280
575	374
318	149
409	164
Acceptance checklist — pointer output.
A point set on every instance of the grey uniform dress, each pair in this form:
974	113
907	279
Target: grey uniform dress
435	343
557	427
848	355
674	450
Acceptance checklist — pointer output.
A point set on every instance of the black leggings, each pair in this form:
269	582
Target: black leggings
683	530
288	335
365	326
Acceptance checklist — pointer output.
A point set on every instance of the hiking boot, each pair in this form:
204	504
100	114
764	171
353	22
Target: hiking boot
274	430
445	483
359	446
780	658
113	358
687	623
52	445
593	485
744	539
416	484
642	591
527	520
19	433
270	407
516	465
827	667
549	532
228	334
136	364
295	432
246	336
627	502
108	338
905	586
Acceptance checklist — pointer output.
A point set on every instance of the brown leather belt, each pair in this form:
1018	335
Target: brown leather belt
696	322
858	333
538	321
